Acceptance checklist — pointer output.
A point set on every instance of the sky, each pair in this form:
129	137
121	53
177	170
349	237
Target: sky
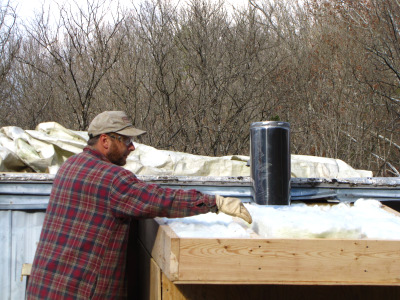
26	8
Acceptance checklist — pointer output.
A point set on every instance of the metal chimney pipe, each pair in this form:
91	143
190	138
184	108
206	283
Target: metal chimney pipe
270	162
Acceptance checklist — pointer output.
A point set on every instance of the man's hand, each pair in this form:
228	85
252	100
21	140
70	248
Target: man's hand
233	207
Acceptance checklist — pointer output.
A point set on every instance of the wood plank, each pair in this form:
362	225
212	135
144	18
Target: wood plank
272	261
155	281
26	270
148	280
170	291
163	244
173	291
391	210
313	261
139	285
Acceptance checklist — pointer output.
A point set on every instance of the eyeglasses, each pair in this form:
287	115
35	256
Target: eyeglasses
123	139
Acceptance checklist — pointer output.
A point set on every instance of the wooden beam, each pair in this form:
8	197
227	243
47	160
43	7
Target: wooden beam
289	261
257	260
155	281
163	245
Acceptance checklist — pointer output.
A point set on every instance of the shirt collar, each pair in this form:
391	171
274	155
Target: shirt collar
95	153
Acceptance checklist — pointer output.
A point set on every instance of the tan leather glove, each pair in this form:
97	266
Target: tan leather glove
233	207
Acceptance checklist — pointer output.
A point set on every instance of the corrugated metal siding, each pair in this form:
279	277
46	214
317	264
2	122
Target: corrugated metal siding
19	234
5	257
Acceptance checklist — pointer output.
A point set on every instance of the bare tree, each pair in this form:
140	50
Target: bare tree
375	27
9	47
76	55
196	76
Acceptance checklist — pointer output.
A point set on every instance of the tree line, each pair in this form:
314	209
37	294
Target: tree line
196	75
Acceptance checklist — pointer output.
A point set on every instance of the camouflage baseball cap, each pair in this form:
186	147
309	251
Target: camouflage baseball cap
113	121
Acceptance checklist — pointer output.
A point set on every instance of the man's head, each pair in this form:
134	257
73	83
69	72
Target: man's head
111	133
113	121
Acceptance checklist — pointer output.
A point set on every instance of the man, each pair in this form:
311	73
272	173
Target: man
82	249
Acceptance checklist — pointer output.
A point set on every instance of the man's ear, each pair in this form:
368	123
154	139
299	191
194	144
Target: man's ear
104	141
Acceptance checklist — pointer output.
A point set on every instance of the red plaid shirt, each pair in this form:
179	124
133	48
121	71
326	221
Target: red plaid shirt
82	248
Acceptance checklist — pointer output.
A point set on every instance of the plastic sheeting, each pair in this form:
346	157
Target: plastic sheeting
44	149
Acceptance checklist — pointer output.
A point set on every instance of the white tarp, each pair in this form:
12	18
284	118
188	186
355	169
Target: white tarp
50	144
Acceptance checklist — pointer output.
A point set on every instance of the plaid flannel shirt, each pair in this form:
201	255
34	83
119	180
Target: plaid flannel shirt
82	249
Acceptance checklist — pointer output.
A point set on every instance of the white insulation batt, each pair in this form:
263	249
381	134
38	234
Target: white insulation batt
366	219
44	149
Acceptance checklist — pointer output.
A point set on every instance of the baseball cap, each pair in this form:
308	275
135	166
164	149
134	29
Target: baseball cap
113	121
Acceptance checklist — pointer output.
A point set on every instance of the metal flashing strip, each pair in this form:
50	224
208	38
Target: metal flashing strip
30	191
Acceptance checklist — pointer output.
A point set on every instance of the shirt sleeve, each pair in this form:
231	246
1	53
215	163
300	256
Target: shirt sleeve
131	197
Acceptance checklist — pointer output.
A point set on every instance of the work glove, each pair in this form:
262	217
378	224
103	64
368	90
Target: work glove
233	207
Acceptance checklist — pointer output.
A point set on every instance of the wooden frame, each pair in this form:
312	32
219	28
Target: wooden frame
270	261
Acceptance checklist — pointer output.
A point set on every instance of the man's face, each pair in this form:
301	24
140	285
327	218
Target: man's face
119	150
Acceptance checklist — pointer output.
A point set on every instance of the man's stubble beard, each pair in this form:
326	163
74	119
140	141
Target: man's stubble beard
115	156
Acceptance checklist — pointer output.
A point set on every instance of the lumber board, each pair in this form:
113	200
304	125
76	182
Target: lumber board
155	281
391	210
147	285
172	291
257	260
163	245
294	261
